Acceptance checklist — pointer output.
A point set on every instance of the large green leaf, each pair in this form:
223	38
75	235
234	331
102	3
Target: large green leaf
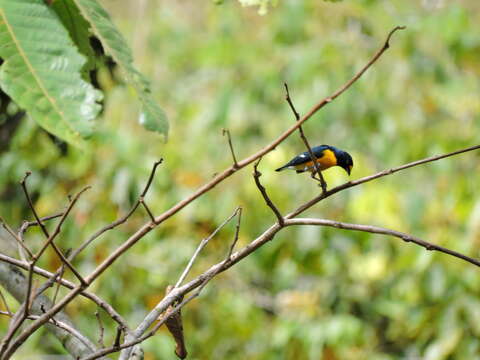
152	118
41	70
78	28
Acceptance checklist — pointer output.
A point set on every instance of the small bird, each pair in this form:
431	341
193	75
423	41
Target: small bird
327	156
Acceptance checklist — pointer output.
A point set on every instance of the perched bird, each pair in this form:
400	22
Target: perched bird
326	155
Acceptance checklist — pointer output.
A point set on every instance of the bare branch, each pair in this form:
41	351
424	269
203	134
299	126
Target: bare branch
203	243
151	177
51	237
116	343
16	237
237	232
379	230
271	205
9	312
15	283
152	217
30	203
235	162
62	326
101	330
28	224
122	219
320	178
97	300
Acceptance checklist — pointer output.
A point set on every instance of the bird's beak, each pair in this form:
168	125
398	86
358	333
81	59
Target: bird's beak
349	170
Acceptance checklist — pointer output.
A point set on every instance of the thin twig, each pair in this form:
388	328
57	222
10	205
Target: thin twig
271	205
122	219
116	343
57	289
5	303
28	224
62	326
237	232
57	230
202	244
16	237
30	203
101	329
316	166
97	300
152	217
227	132
150	178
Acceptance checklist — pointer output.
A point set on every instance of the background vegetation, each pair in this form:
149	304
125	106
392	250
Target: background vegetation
312	293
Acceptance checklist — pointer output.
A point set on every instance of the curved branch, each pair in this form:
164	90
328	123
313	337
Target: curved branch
379	230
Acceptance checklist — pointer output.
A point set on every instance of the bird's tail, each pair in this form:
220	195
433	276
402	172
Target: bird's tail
281	168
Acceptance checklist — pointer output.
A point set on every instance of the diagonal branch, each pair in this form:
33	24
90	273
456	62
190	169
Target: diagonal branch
15	282
122	219
227	132
271	205
49	237
69	285
204	243
172	311
28	224
323	183
57	230
16	237
23	312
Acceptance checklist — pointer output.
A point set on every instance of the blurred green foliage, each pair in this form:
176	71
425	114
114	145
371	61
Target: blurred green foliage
311	293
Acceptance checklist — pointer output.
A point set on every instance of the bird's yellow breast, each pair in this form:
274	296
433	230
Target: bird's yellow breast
327	160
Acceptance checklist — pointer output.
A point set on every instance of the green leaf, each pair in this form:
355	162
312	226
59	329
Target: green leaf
78	28
41	70
152	118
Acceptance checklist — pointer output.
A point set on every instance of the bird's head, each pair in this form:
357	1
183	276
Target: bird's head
344	160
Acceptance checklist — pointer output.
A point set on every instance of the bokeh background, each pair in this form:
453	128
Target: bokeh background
312	293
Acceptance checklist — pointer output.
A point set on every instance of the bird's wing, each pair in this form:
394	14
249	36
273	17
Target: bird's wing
305	156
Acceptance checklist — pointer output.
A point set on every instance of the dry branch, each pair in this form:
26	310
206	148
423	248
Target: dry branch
320	178
379	230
